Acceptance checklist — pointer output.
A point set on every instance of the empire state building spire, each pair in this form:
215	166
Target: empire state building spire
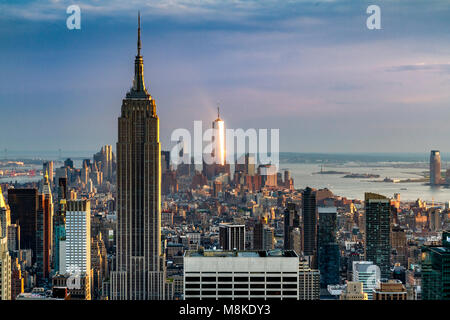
138	90
139	35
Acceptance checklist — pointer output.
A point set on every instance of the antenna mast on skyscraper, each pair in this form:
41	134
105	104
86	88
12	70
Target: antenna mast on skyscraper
139	34
218	110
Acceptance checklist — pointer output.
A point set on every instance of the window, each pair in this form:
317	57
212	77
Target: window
290	279
209	279
225	279
193	279
274	279
225	293
257	279
192	293
236	279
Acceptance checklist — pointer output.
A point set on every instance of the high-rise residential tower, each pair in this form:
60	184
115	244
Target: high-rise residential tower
44	231
378	224
292	233
23	204
435	263
139	272
328	248
78	237
310	225
435	167
5	258
232	236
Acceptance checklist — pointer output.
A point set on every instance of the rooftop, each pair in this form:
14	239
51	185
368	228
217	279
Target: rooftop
242	254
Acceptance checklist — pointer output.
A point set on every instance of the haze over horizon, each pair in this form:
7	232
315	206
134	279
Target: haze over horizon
310	68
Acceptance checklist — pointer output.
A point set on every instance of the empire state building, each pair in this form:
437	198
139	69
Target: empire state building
139	272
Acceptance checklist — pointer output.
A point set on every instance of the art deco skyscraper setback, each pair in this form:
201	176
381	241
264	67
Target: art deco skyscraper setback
139	273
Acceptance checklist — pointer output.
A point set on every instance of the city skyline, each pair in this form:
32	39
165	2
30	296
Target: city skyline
368	220
315	64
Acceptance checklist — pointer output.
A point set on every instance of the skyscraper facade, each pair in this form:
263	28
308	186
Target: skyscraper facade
435	167
48	168
308	282
44	231
367	273
105	160
436	270
5	270
139	272
212	274
328	248
292	234
78	237
23	204
232	236
378	224
5	216
5	258
263	236
310	225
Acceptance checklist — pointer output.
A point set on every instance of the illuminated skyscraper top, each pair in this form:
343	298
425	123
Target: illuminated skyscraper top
219	139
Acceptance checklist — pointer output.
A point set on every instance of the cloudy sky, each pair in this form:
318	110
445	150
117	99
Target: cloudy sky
310	68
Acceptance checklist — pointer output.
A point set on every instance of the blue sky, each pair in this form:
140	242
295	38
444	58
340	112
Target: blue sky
310	68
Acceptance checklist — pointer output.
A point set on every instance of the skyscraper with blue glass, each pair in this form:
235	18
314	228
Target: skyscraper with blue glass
328	248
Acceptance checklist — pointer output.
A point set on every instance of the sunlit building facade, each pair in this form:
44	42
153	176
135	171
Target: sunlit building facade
139	271
435	167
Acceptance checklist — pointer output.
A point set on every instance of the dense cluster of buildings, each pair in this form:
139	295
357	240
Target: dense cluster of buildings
137	227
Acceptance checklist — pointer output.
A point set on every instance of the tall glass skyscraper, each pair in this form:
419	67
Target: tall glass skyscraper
310	225
435	167
23	204
378	245
328	248
436	270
